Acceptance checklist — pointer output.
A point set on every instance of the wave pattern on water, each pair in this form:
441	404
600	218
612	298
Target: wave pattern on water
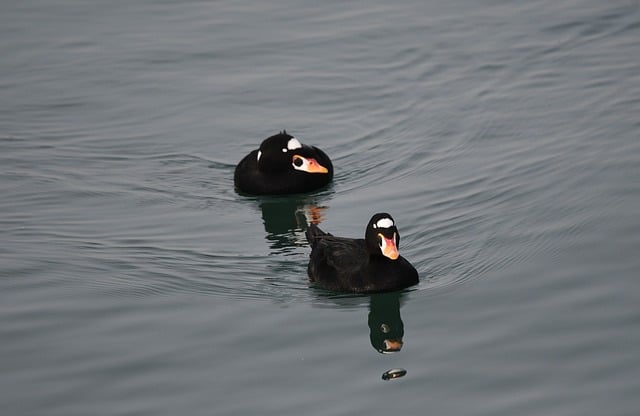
464	176
502	137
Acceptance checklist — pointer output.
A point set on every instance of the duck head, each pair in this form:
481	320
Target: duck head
382	237
283	152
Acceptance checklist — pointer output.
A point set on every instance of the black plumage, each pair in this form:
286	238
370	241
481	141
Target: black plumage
283	165
360	265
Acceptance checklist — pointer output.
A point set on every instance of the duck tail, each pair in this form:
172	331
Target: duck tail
313	233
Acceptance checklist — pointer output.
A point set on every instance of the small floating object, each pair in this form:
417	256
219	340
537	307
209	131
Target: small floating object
394	373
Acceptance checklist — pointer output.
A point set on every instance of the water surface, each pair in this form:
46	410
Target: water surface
502	137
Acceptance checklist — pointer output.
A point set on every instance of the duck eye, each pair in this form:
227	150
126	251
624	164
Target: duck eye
297	161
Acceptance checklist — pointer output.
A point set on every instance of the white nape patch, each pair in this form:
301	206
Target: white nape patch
259	154
293	144
384	223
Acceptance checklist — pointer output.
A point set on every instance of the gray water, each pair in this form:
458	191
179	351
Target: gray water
502	136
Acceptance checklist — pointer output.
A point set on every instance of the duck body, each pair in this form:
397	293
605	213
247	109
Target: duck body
283	165
359	265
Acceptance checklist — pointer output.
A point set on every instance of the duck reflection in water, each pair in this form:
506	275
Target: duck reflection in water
286	217
386	329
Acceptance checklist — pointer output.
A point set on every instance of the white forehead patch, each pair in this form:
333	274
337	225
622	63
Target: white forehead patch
259	154
293	144
384	223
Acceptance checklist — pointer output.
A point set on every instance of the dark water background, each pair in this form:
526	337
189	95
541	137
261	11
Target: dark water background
504	137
